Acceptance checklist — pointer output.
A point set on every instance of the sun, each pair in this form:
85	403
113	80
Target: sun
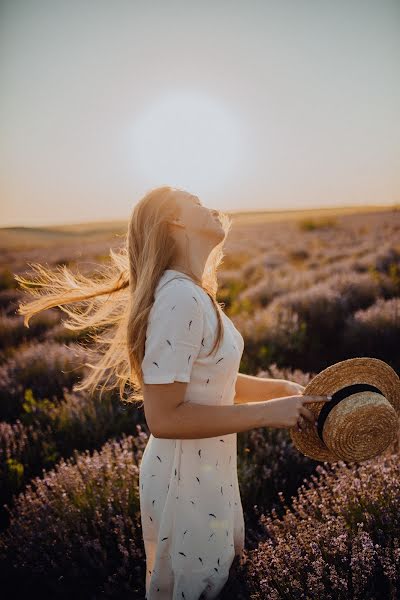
187	139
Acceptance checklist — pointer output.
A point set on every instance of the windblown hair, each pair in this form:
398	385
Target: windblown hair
112	309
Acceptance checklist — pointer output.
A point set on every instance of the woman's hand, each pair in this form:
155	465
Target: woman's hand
287	411
293	388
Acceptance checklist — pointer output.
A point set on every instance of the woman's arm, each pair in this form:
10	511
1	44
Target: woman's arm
255	389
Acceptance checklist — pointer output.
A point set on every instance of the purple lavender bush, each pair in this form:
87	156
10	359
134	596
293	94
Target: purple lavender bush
49	430
9	300
296	328
376	330
59	333
82	421
339	540
7	281
387	257
77	530
269	464
13	331
313	327
21	450
360	290
44	367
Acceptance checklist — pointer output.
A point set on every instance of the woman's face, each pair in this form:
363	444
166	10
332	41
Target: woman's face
197	218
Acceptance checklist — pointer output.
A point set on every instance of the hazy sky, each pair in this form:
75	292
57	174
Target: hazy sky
249	105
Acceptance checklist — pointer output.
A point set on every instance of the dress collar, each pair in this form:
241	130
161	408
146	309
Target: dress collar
170	274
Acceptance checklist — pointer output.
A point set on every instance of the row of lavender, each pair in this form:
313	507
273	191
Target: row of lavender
75	524
77	529
69	463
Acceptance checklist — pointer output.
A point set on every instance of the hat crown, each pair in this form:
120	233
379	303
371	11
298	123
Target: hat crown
340	395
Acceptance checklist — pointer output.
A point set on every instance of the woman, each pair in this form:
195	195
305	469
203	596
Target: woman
171	341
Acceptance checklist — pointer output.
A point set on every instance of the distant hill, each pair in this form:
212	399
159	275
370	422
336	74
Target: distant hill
28	237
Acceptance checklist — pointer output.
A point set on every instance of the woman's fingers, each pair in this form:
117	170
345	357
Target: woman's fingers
305	412
316	398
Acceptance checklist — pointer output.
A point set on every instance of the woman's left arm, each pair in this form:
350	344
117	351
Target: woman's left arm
256	389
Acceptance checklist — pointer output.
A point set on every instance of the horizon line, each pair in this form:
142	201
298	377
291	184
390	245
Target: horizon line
236	213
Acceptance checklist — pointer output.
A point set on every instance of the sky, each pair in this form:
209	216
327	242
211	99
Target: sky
250	105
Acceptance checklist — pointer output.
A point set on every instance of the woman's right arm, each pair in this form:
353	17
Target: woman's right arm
194	421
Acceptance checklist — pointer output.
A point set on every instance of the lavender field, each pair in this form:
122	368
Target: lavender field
305	289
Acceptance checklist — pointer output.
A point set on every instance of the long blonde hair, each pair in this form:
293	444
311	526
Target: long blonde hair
113	309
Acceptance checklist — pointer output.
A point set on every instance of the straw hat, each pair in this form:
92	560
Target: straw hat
360	421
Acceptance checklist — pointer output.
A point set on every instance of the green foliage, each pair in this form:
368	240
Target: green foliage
15	472
229	291
310	224
33	407
240	307
7	281
394	274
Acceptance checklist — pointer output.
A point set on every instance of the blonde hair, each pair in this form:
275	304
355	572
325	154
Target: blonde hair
114	307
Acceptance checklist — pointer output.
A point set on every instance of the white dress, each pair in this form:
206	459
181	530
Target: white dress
191	510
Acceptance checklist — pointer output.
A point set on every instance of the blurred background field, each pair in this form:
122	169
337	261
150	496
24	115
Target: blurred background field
283	115
306	289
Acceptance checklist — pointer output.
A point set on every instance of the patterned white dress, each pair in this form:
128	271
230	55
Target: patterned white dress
191	510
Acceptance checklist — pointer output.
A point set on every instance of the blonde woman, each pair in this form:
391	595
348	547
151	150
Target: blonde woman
158	327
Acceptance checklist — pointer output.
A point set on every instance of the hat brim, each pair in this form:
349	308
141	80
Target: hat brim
335	377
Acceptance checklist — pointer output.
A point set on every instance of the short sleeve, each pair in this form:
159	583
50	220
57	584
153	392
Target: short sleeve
174	334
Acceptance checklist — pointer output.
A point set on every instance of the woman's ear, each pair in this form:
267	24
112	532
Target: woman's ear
176	221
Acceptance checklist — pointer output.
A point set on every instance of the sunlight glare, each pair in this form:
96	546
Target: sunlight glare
189	140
